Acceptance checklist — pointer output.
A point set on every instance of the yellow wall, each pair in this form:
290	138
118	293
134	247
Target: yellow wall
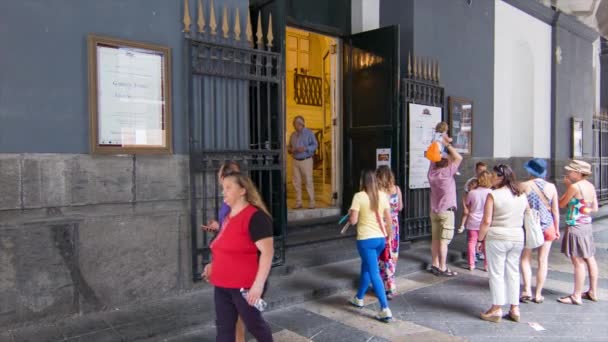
318	45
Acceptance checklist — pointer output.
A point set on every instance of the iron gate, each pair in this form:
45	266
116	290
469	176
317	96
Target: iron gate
235	113
421	86
600	156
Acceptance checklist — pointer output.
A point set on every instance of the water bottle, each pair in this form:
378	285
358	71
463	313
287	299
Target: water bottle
260	304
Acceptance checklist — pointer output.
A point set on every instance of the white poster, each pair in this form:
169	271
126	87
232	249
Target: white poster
423	120
130	97
383	157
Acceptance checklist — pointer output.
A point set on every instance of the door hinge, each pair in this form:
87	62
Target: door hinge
334	196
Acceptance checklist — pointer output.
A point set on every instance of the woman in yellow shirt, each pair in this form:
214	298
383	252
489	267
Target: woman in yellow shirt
367	210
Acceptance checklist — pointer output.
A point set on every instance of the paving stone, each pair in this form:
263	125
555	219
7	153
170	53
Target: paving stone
108	335
300	321
6	336
147	329
337	332
81	326
41	333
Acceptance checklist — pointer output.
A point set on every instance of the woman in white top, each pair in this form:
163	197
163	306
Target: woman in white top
502	230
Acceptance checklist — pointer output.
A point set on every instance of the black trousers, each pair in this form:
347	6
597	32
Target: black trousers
229	304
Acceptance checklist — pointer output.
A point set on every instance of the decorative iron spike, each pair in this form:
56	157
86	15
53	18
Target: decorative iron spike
438	73
435	70
237	25
415	66
212	22
249	31
201	18
186	19
269	35
225	22
423	66
427	69
409	64
259	34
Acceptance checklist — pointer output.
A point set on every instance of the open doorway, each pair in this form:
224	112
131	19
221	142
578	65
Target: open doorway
312	91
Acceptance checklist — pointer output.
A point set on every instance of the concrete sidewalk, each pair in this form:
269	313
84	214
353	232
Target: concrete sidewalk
314	273
316	277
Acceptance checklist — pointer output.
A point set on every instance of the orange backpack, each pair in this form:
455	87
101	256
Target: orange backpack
432	152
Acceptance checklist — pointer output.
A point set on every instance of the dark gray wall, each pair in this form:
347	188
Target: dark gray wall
43	69
400	12
574	91
463	41
604	76
462	38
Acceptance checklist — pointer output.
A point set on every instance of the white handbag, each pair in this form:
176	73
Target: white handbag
534	232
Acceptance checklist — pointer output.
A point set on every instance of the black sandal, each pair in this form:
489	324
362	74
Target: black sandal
435	270
525	299
448	273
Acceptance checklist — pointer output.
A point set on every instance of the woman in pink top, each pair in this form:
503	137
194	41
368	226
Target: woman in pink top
475	202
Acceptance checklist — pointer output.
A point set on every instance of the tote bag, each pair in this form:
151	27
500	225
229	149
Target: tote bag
534	232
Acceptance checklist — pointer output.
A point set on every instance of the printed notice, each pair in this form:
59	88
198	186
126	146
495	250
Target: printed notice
423	120
130	97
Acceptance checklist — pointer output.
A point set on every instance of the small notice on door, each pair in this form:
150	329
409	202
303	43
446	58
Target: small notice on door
383	157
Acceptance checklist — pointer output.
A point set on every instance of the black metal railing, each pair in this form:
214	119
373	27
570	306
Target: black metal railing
600	157
308	90
235	113
416	221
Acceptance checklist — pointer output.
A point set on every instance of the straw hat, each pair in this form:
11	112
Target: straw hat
579	166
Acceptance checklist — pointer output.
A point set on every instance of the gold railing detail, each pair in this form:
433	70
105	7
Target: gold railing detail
269	35
212	22
201	18
259	34
208	26
237	25
423	68
225	22
186	19
249	31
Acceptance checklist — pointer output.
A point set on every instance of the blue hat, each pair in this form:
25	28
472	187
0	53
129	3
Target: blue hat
536	167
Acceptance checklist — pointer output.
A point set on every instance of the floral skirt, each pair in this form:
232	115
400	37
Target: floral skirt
387	268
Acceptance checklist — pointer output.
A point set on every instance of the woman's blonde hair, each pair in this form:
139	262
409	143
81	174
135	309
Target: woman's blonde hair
385	177
370	186
252	196
484	179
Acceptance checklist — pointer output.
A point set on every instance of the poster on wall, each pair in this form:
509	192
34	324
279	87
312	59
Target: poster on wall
461	124
577	137
423	120
129	85
383	157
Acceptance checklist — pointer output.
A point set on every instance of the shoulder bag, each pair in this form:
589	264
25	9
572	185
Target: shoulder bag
386	252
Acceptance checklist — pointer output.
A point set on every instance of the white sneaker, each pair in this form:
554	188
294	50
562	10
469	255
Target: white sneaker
356	302
384	315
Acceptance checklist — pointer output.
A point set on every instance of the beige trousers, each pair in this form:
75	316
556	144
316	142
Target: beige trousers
303	169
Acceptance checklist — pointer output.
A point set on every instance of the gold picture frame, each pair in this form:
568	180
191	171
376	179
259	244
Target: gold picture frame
130	105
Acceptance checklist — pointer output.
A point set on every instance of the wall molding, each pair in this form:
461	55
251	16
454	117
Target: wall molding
545	14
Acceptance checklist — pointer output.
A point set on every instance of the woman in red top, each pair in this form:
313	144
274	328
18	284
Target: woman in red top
245	244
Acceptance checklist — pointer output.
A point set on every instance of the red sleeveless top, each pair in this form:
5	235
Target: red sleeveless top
235	255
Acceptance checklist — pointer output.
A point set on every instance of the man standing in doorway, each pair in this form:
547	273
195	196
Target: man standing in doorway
302	146
443	208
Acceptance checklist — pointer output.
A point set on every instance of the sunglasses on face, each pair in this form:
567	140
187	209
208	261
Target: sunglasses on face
500	170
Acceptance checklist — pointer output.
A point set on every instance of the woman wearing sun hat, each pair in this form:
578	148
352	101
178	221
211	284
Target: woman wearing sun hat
542	196
581	200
